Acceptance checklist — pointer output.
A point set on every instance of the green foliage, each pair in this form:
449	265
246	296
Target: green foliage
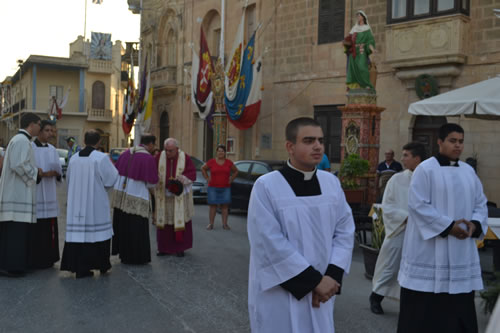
378	232
490	295
353	167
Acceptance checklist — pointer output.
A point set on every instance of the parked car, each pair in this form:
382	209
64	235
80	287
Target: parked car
200	185
63	156
114	153
248	172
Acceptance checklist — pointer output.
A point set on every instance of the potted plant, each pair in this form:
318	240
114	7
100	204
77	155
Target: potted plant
352	168
370	251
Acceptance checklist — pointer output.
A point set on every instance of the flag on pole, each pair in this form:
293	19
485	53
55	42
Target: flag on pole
128	103
233	68
244	109
201	84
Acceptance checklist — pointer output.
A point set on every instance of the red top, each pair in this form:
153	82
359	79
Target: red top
219	174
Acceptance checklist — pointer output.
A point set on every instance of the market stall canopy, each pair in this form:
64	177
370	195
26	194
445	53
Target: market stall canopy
482	98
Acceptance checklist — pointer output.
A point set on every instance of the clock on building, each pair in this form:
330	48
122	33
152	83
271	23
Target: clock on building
100	46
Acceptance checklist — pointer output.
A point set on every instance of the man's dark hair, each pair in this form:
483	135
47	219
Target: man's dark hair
147	139
446	129
293	127
29	118
221	147
416	149
46	123
91	138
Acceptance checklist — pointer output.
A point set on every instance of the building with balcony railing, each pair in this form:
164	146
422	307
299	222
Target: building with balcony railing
93	89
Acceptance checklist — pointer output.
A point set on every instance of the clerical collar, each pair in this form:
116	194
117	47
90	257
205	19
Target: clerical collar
25	132
38	143
445	161
85	152
307	174
297	179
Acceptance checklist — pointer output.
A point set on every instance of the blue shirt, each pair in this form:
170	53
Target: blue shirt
324	164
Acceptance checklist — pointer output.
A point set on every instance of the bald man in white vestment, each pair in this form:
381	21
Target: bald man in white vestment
301	234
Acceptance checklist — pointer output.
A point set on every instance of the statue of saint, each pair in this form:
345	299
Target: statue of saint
358	46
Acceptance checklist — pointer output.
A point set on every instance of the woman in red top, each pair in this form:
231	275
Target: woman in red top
219	184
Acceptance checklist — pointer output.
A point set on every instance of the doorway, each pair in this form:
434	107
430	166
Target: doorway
426	131
164	128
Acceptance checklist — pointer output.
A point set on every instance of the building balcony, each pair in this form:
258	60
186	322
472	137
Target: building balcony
430	42
100	115
164	78
101	66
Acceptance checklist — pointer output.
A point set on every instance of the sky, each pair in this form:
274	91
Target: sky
47	27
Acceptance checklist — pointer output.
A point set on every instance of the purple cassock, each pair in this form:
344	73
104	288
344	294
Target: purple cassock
141	167
171	241
131	206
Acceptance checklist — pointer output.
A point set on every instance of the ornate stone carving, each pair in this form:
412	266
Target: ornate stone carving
439	40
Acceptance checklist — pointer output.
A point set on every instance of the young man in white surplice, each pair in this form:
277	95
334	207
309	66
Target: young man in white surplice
440	267
301	234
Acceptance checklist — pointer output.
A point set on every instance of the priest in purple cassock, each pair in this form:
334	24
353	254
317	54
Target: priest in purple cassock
174	200
131	202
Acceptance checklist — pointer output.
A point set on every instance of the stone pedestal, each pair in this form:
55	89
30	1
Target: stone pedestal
361	133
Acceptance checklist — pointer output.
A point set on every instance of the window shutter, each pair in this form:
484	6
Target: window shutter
331	19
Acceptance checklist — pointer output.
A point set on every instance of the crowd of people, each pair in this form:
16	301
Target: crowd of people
300	226
145	187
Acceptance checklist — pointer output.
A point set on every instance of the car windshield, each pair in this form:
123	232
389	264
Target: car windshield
197	163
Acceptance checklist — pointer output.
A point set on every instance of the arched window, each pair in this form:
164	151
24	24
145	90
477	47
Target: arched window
212	29
171	48
98	95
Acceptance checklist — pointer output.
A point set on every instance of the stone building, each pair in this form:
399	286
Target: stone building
455	42
95	94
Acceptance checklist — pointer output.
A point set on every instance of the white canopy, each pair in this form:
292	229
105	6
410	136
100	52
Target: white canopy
482	98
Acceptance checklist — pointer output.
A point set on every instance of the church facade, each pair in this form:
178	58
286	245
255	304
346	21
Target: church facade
446	44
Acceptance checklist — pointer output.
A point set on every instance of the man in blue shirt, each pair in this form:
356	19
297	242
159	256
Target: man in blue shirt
386	170
73	148
324	164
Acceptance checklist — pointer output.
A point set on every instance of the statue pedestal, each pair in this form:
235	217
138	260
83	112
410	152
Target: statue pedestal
361	133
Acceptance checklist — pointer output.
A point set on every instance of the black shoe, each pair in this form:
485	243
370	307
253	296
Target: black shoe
375	305
180	254
80	275
161	254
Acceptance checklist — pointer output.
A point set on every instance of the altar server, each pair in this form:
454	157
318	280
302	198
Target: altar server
440	267
301	234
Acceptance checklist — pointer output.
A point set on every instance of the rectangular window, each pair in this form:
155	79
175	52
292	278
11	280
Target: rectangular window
331	20
407	10
56	91
422	7
330	119
445	5
398	8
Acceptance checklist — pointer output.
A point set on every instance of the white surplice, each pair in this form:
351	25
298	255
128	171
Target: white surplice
88	213
288	234
395	212
47	159
18	181
439	195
